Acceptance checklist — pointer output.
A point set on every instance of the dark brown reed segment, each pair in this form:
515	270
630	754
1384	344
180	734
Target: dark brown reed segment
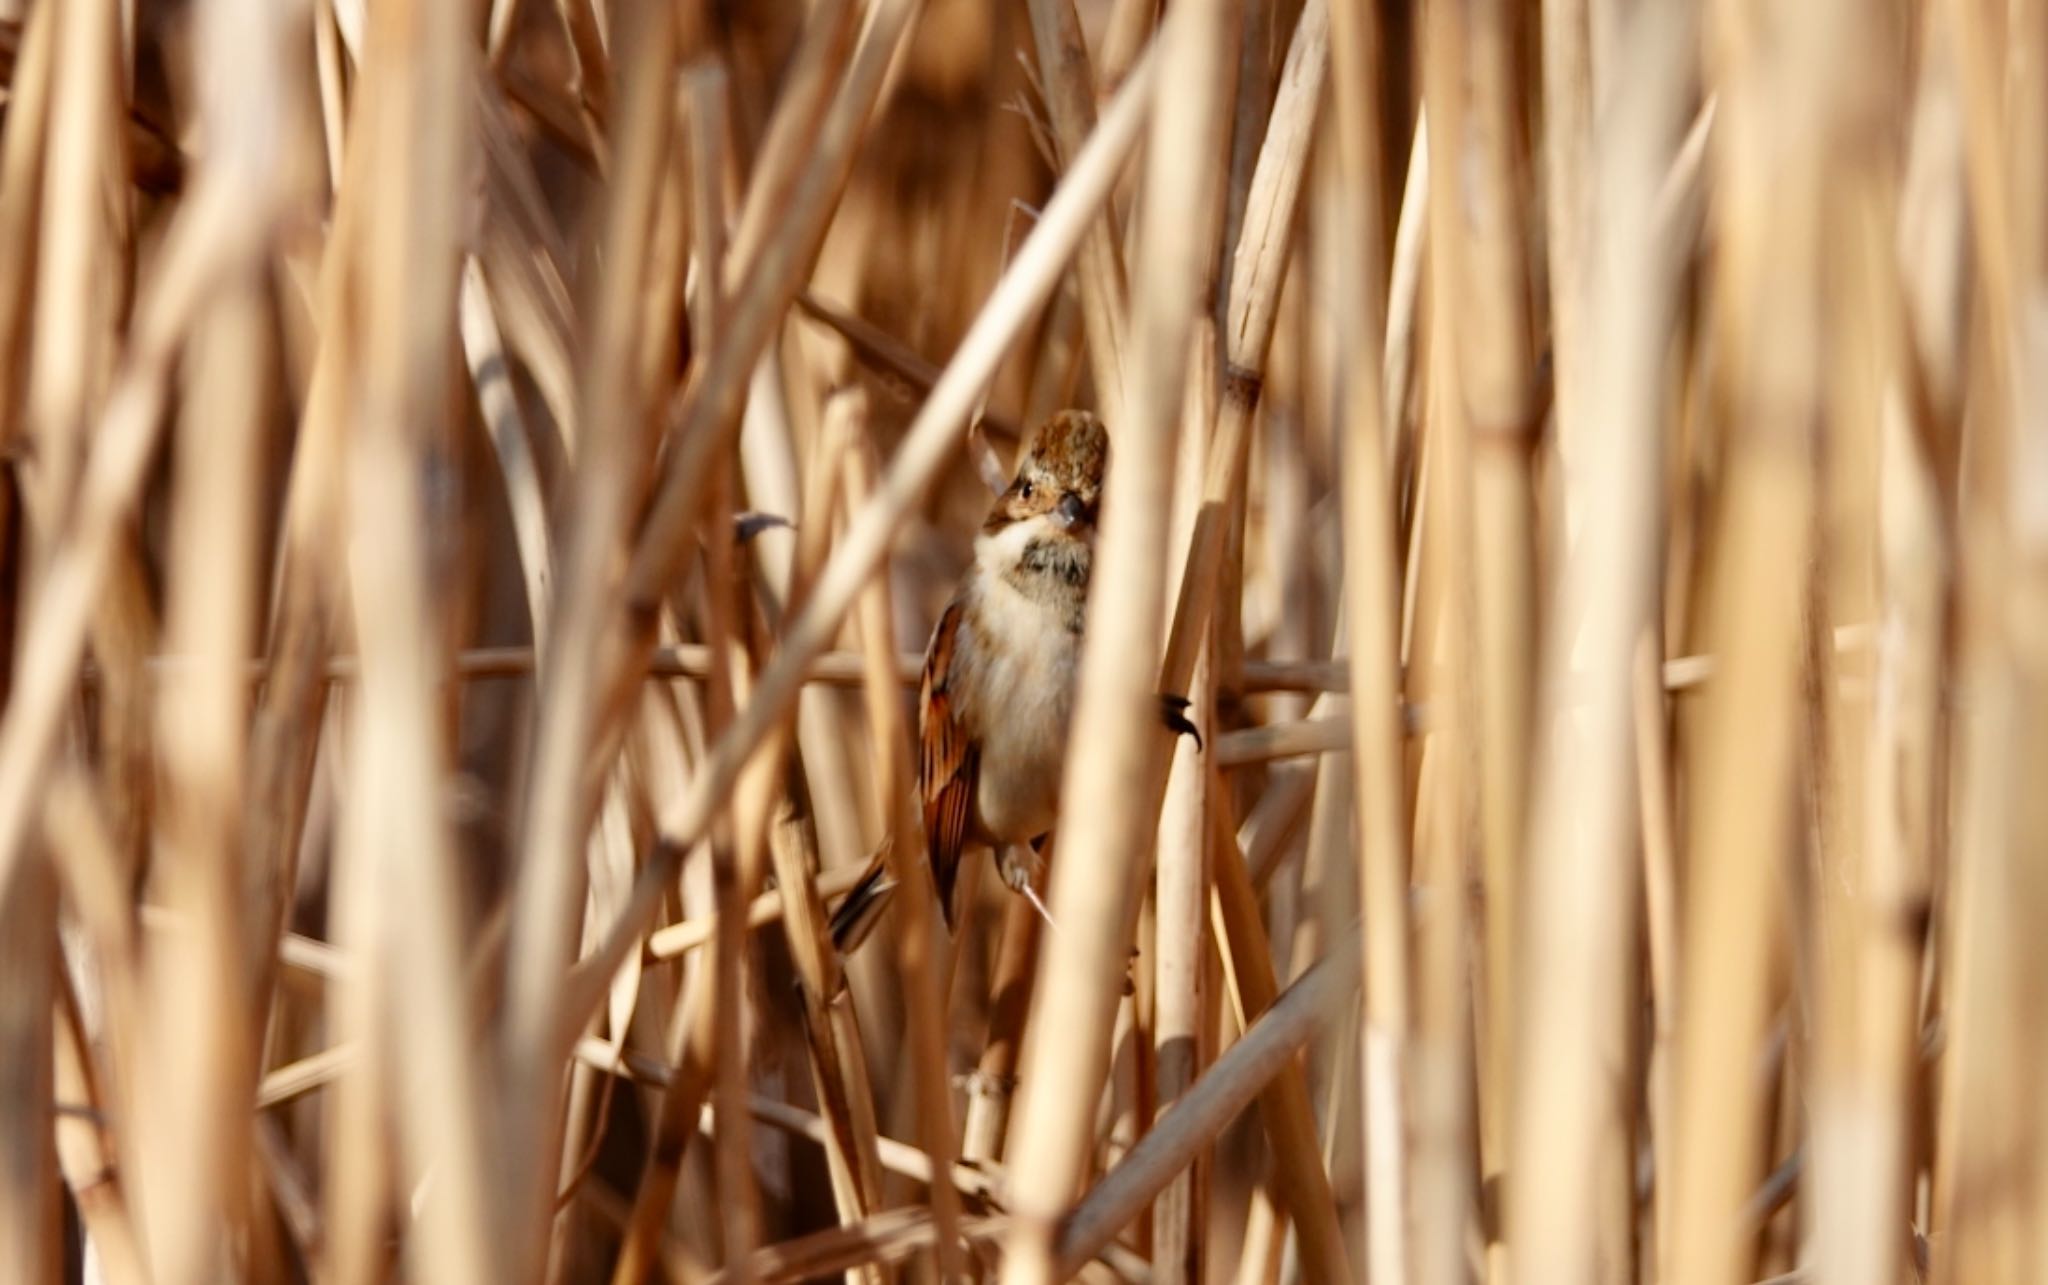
529	525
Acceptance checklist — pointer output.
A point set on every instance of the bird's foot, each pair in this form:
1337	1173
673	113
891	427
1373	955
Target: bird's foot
1173	711
1021	868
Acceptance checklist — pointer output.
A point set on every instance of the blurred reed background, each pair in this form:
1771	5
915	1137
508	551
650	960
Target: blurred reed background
480	475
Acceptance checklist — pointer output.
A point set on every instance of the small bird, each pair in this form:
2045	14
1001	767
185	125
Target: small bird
997	691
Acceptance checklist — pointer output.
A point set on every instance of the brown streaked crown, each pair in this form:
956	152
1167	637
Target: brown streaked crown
1067	456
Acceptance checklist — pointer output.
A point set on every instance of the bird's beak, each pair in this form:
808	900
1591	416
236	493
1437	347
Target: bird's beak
1071	513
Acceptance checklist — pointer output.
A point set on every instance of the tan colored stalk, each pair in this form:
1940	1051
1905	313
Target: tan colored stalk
548	883
1497	384
816	68
21	180
1199	42
1987	1114
1372	615
832	1032
201	1035
992	1086
394	828
1450	808
1257	268
1129	28
1112	775
1180	950
1573	1122
31	1213
1069	88
1660	930
1775	131
885	1238
1868	965
89	1167
1267	1049
484	347
1299	1179
78	248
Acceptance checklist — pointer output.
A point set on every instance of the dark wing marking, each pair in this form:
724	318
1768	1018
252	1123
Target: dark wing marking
948	762
862	909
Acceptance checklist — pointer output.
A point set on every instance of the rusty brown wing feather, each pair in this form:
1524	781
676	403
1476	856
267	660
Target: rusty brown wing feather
947	762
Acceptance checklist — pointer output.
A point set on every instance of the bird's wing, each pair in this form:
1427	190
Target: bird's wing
948	761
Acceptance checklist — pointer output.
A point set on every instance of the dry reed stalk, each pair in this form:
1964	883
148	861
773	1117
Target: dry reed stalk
89	1167
980	1182
1403	298
990	1089
1266	1049
1776	128
1187	147
678	939
394	832
1110	778
815	69
880	350
548	883
1986	1118
484	347
830	1026
1573	1121
31	1215
1451	781
1126	33
1868	953
1180	957
30	1207
193	1127
1372	613
1300	1183
884	1238
205	1027
1497	385
1660	932
1257	267
21	177
1069	88
78	245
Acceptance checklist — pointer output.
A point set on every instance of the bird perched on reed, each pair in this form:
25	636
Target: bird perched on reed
997	691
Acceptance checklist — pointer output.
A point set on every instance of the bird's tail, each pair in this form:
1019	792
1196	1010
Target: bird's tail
856	916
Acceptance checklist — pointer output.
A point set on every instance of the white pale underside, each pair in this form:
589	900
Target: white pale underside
1025	685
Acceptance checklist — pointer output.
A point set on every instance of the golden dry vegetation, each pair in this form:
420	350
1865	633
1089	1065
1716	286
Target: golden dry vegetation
479	476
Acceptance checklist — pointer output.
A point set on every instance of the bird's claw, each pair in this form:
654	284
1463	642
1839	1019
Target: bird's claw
1173	711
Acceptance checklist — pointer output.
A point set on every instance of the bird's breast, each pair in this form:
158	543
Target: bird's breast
1024	663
